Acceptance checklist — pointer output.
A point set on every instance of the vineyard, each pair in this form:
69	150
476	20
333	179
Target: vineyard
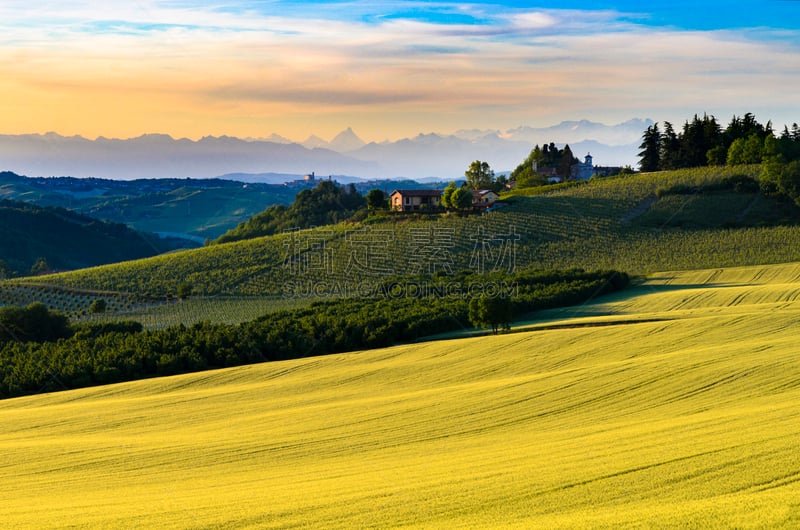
674	405
75	303
222	310
638	224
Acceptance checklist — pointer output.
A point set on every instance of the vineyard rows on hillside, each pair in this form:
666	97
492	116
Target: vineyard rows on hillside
634	223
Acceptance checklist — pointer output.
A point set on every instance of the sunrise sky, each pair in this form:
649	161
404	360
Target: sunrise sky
388	69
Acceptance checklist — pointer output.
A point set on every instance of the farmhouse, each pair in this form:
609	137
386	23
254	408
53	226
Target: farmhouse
549	172
420	200
483	198
412	200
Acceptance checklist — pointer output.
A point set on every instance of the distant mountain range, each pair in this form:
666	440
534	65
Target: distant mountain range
425	155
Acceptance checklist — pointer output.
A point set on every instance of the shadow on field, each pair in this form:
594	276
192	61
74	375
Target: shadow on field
594	308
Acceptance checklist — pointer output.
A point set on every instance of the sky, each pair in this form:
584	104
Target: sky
388	69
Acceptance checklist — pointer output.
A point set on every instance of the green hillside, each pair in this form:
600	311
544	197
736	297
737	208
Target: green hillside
638	224
196	209
66	240
675	405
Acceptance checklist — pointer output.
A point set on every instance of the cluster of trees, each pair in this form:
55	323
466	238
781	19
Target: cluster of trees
34	323
456	198
704	142
40	266
547	156
479	176
495	311
327	203
43	353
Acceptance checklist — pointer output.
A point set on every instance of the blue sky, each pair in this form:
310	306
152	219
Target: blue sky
683	14
389	69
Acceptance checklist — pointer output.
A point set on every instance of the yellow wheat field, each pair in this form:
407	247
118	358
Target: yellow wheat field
681	410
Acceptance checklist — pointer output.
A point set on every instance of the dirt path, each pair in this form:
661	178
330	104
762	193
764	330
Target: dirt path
640	208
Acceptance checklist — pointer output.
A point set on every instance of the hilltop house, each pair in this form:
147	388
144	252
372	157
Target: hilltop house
548	172
483	198
420	200
412	200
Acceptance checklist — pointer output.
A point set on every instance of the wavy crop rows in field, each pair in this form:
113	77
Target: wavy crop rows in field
689	421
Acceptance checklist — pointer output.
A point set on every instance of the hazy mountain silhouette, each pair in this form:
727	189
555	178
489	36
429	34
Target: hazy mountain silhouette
425	155
161	156
346	141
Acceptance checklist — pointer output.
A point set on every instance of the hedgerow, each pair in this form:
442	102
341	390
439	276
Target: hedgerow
102	353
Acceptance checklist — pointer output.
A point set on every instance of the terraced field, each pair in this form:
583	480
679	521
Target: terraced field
676	405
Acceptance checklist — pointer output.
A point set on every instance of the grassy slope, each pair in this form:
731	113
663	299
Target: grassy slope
570	227
199	208
612	223
200	212
692	420
65	239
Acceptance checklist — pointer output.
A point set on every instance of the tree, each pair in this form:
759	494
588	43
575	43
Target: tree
789	143
185	290
524	174
744	127
5	270
376	199
566	162
461	199
669	157
34	323
717	156
745	151
778	176
40	267
650	154
479	176
789	180
447	196
699	136
735	153
491	311
98	306
753	147
500	182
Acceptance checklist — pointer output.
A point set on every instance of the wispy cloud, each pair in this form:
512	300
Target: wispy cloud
193	68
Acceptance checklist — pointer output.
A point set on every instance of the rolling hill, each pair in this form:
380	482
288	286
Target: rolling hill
191	209
675	405
638	224
66	240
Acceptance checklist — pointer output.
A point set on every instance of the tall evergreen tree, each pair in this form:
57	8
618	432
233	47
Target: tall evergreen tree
650	153
670	148
566	162
699	136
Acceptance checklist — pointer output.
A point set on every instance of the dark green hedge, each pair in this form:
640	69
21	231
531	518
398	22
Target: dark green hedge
106	353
